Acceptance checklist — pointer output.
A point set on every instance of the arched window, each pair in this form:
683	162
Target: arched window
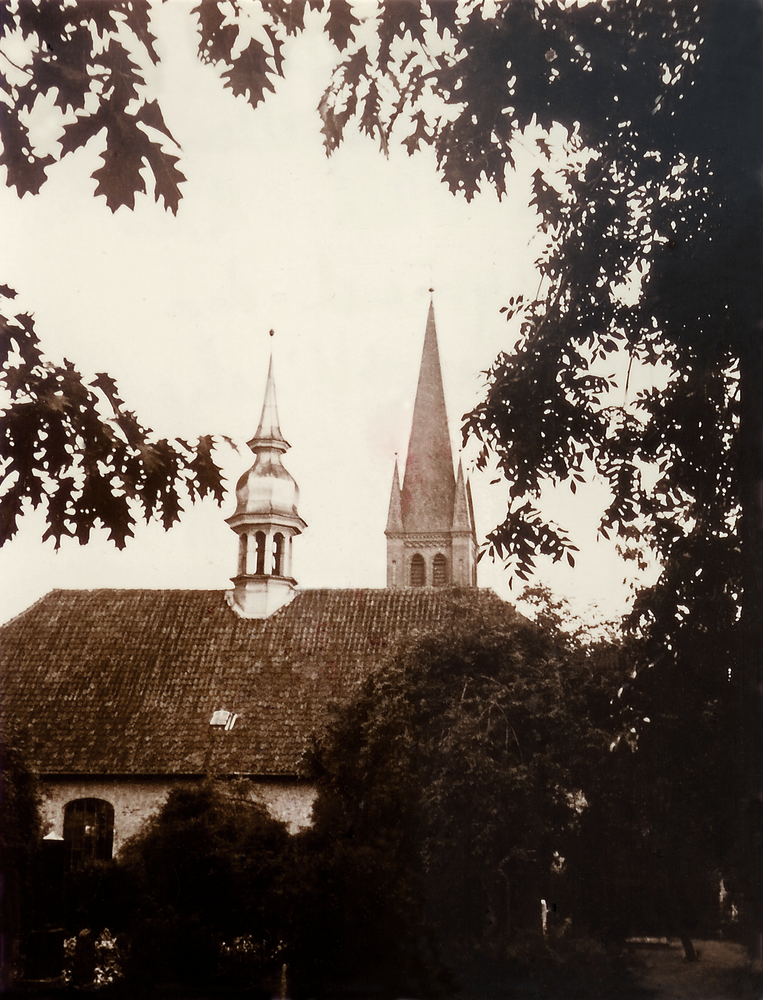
242	542
88	832
278	554
418	571
439	571
260	540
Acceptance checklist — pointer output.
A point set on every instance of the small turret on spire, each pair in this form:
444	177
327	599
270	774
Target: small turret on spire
462	515
395	515
463	534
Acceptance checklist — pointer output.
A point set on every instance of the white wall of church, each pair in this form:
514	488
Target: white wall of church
136	800
289	801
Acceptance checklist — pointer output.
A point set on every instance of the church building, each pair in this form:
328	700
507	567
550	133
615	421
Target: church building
118	695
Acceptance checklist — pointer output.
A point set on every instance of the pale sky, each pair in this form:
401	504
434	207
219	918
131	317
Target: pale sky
336	255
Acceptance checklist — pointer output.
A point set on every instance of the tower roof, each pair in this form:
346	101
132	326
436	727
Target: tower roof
463	515
268	433
429	484
267	488
395	515
266	519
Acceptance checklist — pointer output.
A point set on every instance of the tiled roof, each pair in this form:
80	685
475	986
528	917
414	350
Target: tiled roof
126	681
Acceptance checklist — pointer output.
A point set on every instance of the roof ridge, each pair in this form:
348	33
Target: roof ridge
11	620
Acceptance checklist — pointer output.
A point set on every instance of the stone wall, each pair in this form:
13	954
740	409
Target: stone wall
135	800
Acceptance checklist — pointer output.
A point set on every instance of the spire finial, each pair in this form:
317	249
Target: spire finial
272	333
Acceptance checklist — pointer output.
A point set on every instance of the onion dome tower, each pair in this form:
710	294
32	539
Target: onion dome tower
265	520
431	540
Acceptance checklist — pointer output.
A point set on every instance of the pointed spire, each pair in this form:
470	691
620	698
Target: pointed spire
462	516
427	495
472	525
395	516
268	433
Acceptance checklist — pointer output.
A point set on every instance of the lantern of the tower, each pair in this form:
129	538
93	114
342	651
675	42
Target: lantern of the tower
265	520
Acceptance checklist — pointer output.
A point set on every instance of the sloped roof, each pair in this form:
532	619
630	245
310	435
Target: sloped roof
126	681
429	484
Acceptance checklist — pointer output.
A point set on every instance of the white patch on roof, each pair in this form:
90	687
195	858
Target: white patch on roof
226	720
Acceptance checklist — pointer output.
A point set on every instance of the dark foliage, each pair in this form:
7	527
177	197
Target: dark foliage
59	450
660	834
204	895
464	767
91	56
215	893
20	835
651	200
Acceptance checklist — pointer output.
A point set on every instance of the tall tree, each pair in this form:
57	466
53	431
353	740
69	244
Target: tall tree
469	757
652	204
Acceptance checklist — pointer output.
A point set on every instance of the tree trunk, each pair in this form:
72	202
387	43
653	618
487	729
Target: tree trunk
740	149
688	946
749	845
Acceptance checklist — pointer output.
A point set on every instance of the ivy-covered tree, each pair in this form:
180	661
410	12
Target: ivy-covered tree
468	759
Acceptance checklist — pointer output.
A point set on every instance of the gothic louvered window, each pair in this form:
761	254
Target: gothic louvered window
260	540
88	832
418	571
439	570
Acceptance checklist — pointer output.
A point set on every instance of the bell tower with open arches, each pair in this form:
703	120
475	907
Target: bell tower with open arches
265	520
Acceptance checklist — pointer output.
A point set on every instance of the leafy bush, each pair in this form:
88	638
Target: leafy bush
210	871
